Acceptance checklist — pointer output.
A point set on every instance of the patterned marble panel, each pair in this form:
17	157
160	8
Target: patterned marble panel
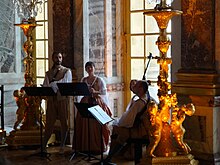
62	32
198	36
78	42
96	34
217	34
11	65
204	132
198	131
7	37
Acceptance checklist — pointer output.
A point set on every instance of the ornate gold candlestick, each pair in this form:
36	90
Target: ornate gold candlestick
28	28
166	118
29	108
32	104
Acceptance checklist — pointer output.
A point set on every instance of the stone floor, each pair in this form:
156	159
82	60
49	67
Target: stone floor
31	156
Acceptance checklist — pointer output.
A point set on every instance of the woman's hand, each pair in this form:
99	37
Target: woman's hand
94	92
91	90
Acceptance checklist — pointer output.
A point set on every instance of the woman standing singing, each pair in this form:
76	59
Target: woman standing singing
98	90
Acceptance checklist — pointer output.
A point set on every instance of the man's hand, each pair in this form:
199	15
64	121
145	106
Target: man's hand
54	86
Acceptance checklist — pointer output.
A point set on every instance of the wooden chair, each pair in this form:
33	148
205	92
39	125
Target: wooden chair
138	144
141	120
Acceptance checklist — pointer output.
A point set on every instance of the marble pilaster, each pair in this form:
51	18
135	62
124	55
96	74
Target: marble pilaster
198	78
62	30
202	129
11	56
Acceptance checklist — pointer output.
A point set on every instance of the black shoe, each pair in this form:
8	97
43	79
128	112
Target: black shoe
108	162
104	163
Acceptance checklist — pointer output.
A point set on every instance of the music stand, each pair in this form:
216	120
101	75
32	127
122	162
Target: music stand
75	89
103	118
83	110
40	91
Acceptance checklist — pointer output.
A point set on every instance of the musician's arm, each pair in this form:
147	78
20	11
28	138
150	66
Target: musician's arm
46	82
102	87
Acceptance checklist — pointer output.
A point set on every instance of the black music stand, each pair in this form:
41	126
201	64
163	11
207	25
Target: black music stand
40	91
83	110
103	118
74	89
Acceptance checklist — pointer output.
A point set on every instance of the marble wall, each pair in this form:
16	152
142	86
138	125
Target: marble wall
97	35
217	36
62	30
198	78
198	32
7	39
11	55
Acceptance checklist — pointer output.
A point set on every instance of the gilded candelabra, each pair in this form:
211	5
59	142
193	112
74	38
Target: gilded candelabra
28	27
28	107
166	118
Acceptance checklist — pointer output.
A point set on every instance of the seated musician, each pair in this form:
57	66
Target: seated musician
97	88
124	128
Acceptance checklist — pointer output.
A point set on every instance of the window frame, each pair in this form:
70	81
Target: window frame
128	57
45	39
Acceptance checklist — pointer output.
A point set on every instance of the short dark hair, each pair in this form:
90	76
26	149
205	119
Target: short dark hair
145	85
90	63
55	53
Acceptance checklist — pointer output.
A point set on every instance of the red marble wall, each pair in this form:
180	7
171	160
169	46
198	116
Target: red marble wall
62	30
198	35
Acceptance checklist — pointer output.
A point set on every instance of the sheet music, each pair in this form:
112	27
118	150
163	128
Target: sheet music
100	114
